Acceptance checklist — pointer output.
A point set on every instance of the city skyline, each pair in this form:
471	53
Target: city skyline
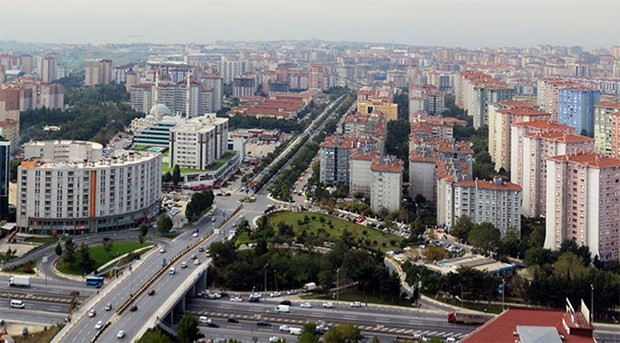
442	23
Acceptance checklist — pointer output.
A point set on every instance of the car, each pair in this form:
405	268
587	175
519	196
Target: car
151	292
284	328
305	305
292	292
17	304
263	323
233	320
254	299
196	262
328	304
108	307
75	293
204	320
273	339
212	324
183	264
227	194
133	308
213	220
201	249
120	334
256	295
99	325
194	257
322	328
2	322
286	302
92	313
275	294
236	299
162	250
356	304
451	340
195	234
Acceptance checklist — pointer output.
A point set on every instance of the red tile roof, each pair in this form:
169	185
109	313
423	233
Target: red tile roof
501	328
490	184
561	136
591	159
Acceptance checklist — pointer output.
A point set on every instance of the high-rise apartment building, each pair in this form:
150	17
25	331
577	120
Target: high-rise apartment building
47	70
583	202
244	86
5	163
198	142
378	106
603	116
98	72
475	91
426	98
387	183
334	156
548	94
360	175
576	107
216	84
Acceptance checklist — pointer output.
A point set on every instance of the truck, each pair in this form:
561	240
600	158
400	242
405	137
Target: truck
19	281
310	286
283	309
467	318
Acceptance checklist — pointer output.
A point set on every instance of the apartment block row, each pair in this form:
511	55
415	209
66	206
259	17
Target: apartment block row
425	100
27	93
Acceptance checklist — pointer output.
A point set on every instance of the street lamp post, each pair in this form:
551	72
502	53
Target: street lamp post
337	283
275	278
503	293
461	295
266	265
592	303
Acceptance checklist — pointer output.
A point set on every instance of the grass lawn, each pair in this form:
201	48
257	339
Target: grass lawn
140	147
42	240
355	295
39	337
165	167
372	237
100	256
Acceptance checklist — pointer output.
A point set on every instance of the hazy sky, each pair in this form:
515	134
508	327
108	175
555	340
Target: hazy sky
465	23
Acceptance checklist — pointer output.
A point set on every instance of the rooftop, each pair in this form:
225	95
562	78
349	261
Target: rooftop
591	160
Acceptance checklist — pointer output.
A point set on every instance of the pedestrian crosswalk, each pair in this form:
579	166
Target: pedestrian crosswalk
380	328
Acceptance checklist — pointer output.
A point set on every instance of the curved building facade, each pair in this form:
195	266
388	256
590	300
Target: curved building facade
71	187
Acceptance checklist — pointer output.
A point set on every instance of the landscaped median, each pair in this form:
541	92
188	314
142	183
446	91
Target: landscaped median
98	255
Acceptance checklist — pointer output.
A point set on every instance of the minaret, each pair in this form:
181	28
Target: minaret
156	92
189	75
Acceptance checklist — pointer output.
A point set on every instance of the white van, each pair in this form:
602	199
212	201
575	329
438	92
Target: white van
283	309
295	331
172	270
17	304
204	320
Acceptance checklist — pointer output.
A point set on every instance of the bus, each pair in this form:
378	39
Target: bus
95	281
468	318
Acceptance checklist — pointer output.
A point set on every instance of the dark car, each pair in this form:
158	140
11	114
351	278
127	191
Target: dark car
75	293
263	323
233	320
151	292
224	294
285	302
133	308
254	300
201	249
212	325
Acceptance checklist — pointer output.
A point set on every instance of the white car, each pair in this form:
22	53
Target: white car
275	294
328	304
120	334
195	234
305	305
99	325
273	339
92	313
162	250
356	304
196	262
236	299
285	328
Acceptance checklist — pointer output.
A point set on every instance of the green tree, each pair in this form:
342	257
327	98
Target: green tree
58	249
433	253
187	330
87	264
107	245
198	204
484	236
462	227
167	177
417	227
164	223
570	267
141	239
154	336
176	175
343	332
308	334
69	253
144	229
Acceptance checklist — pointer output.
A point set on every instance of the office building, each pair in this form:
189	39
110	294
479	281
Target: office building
69	187
583	202
576	108
196	143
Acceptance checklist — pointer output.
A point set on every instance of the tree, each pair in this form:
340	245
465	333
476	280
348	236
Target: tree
167	177
417	227
434	253
462	227
570	267
343	332
154	336
188	329
141	239
87	264
107	245
58	249
176	174
144	229
308	334
69	254
164	223
484	236
199	203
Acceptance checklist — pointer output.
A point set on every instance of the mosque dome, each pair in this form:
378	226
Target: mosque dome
159	110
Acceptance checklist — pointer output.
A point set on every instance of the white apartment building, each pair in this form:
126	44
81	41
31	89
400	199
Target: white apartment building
69	187
583	202
360	174
493	201
198	142
536	149
603	113
387	183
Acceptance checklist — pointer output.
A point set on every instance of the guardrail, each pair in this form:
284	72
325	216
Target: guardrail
27	295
